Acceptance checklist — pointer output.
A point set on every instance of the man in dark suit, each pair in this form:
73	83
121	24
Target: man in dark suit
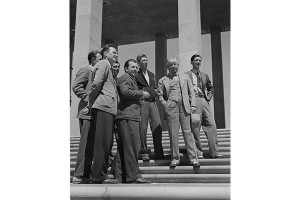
81	88
175	92
127	120
204	92
146	81
103	101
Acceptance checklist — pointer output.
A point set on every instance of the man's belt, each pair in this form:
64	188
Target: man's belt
150	100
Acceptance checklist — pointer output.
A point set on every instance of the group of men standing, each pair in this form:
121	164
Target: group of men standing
125	105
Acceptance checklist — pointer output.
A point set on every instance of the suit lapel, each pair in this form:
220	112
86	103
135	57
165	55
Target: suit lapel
181	81
167	85
203	83
151	77
140	77
143	77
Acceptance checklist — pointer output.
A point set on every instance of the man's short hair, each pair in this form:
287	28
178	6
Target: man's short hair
106	48
126	65
168	60
194	56
139	57
92	54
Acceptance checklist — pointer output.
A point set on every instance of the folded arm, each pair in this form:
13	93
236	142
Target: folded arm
100	76
80	82
210	89
126	91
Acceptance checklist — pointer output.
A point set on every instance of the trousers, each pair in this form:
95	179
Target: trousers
177	116
129	144
209	126
104	127
149	112
86	148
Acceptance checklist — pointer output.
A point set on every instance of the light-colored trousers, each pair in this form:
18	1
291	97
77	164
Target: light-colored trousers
177	116
209	126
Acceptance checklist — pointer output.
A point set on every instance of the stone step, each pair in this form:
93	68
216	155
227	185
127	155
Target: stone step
167	140
167	144
188	178
183	161
166	148
220	133
224	138
184	178
166	136
154	191
166	152
178	170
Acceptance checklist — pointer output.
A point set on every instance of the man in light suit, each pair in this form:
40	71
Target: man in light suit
103	101
175	92
146	82
81	88
204	92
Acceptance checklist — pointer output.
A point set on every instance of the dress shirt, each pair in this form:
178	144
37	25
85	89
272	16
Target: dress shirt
175	92
199	92
146	76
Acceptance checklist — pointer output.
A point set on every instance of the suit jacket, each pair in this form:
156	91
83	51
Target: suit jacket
187	91
143	84
81	87
208	89
129	106
104	95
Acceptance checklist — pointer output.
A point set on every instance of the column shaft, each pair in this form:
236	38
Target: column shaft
217	68
160	69
88	32
189	22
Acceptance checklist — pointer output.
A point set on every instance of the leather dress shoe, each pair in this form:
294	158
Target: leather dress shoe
200	154
217	156
195	163
145	157
140	181
80	180
106	181
174	163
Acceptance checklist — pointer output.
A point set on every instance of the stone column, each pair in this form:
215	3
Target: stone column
217	68
189	22
160	55
160	69
88	32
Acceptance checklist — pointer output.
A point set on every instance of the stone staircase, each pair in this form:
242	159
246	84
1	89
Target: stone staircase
211	182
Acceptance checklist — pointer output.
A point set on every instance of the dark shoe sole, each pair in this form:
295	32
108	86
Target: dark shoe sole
214	157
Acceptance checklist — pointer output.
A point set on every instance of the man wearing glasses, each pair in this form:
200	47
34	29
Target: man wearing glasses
203	92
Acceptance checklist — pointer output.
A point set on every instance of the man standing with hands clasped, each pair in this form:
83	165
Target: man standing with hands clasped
201	86
127	120
146	82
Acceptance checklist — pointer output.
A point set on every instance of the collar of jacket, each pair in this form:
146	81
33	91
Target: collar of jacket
198	72
172	76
